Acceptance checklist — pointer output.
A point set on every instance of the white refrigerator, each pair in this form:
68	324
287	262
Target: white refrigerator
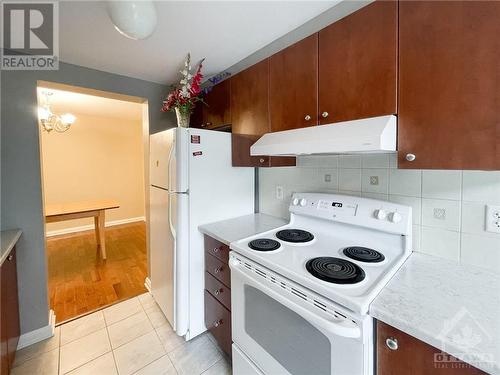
192	182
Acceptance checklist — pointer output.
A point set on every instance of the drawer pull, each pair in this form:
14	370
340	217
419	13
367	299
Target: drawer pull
218	269
217	291
10	257
217	323
392	343
216	249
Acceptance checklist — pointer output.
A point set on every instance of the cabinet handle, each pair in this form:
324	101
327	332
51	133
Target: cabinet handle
392	343
218	269
261	160
324	114
209	123
217	323
10	257
307	118
216	249
217	291
410	157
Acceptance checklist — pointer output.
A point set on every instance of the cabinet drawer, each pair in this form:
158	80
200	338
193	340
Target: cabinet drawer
217	249
218	322
218	269
218	290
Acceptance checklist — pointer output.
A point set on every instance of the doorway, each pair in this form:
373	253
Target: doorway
94	153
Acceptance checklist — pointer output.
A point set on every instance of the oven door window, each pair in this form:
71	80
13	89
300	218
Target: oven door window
290	339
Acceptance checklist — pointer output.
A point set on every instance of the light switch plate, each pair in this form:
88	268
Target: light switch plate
493	219
279	192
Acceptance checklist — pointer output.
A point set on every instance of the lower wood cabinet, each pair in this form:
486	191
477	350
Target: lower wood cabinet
9	312
399	353
218	292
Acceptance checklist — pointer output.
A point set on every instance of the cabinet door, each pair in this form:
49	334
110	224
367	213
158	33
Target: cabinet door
250	116
357	64
293	86
413	357
4	359
217	110
449	84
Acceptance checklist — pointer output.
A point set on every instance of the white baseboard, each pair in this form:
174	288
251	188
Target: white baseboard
40	334
147	284
82	228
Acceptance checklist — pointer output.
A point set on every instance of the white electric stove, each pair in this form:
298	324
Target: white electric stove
301	292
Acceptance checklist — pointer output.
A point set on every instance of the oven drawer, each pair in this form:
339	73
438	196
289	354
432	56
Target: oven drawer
218	269
218	322
218	290
217	249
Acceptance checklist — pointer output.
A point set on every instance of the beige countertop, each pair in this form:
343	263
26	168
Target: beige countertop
8	239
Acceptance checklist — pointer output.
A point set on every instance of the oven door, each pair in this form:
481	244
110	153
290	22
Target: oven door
279	328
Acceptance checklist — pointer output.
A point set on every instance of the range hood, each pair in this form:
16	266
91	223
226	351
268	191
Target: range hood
370	135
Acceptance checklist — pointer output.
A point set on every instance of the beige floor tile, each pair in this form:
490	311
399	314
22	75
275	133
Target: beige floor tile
138	353
147	300
162	366
83	350
195	356
222	367
104	365
169	338
156	316
82	327
43	364
122	310
128	329
37	349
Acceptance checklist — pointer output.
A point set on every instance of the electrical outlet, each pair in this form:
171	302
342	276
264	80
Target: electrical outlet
328	178
373	180
279	192
493	219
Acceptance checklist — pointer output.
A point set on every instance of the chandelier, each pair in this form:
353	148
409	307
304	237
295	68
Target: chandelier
51	121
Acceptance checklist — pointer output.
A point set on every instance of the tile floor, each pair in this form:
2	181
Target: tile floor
132	337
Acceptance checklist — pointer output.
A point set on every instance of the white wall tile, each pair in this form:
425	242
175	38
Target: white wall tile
318	161
379	196
393	160
333	184
405	182
416	237
350	179
350	192
481	251
383	181
440	242
441	213
482	186
414	202
442	184
473	218
349	161
375	161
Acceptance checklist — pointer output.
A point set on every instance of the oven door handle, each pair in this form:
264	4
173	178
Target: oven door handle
348	329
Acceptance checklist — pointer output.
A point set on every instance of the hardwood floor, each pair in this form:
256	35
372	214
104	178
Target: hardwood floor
80	281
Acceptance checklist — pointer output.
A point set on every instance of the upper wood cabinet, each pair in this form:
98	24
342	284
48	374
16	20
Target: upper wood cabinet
399	353
449	84
293	86
217	111
250	116
358	64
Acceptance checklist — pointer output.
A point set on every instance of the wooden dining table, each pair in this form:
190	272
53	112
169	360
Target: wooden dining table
78	210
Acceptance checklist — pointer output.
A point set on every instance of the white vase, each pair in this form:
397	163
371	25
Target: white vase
182	118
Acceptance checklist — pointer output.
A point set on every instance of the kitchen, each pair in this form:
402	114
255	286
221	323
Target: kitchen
357	228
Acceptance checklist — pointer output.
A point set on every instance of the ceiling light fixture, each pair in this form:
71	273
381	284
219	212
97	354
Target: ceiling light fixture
49	120
133	19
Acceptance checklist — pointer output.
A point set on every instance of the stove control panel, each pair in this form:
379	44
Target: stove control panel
370	213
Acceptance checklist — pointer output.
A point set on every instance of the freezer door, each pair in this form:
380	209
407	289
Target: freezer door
162	252
160	149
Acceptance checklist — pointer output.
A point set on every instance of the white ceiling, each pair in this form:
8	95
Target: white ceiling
224	32
81	104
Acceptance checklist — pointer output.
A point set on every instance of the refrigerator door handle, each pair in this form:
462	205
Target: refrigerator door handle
172	229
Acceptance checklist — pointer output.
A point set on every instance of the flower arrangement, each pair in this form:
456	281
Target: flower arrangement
184	96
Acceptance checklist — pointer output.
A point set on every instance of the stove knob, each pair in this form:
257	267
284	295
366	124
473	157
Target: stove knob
295	201
303	202
395	217
380	214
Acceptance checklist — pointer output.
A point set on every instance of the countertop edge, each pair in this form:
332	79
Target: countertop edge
12	241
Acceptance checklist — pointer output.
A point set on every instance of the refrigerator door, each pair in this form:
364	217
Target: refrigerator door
178	168
162	251
160	148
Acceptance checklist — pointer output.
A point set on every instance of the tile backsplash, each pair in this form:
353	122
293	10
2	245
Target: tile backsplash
449	207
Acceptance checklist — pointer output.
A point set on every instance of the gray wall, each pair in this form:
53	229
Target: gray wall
21	190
